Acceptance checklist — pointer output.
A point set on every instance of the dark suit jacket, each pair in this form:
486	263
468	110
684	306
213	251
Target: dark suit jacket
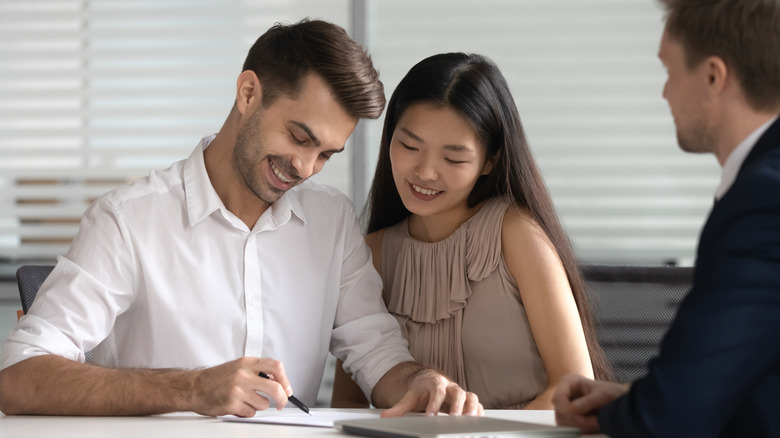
718	370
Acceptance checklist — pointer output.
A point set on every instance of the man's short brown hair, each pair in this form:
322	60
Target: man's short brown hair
744	33
287	53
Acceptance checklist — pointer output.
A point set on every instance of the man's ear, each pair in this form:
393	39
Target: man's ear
249	92
717	73
491	163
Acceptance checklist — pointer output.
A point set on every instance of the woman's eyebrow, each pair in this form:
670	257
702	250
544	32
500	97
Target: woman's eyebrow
457	148
413	135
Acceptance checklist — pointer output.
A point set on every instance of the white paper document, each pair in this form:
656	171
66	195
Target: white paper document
295	417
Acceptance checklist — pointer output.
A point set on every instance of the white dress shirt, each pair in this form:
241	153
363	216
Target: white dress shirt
737	157
162	275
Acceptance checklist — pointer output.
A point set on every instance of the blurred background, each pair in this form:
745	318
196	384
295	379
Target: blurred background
96	93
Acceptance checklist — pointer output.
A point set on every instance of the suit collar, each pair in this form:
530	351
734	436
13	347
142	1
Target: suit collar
768	142
737	157
734	200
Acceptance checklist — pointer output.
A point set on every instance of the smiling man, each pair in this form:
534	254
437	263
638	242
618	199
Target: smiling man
718	370
187	284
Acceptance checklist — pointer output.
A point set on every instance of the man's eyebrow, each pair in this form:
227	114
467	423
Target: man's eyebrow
306	129
413	135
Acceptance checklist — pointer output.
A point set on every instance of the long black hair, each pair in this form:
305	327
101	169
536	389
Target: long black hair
473	86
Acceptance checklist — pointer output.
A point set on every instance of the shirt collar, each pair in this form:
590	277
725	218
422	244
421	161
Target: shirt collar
280	212
737	157
203	200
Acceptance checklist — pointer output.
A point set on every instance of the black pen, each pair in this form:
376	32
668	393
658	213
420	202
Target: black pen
292	398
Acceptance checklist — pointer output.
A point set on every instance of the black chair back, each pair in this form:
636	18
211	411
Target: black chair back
634	306
30	278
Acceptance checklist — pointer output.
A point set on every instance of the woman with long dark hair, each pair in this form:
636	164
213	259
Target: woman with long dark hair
476	266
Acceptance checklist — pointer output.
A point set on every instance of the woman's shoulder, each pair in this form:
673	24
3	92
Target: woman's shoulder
505	217
518	219
521	233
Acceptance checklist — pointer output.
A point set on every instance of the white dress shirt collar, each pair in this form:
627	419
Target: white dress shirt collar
737	157
203	200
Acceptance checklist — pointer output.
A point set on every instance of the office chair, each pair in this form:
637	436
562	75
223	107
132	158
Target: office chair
634	306
30	278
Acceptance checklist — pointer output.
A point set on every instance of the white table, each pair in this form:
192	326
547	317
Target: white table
186	425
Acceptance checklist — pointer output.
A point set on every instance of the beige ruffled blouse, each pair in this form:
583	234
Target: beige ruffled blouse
461	311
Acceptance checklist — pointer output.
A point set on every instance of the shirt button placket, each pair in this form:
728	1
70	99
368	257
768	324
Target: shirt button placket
252	298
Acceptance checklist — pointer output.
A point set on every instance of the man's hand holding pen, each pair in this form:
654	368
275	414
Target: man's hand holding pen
291	398
237	388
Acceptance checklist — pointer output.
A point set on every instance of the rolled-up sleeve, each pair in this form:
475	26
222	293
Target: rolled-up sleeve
365	336
77	305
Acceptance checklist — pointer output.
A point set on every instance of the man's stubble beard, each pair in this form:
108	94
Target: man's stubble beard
248	157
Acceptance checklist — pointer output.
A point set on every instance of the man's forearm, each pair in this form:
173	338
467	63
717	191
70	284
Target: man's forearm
412	387
53	385
394	384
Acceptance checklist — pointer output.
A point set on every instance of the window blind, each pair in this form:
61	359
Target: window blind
587	82
94	94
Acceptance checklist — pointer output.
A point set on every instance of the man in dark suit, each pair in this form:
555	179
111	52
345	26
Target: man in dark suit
718	371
